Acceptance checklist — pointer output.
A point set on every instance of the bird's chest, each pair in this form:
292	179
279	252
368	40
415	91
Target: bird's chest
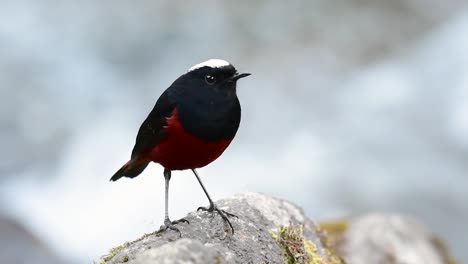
182	150
210	120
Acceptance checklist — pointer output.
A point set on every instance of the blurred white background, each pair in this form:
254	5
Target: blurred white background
353	106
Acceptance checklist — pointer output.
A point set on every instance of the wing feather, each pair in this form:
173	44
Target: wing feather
152	131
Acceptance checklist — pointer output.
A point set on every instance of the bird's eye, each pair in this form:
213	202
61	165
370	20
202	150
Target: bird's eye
210	79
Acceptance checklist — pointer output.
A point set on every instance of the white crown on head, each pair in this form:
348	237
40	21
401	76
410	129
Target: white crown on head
212	63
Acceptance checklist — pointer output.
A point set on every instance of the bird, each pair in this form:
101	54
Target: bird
190	126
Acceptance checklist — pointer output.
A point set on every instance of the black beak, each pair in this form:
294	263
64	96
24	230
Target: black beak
237	76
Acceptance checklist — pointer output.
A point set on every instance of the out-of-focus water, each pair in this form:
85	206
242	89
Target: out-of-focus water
353	106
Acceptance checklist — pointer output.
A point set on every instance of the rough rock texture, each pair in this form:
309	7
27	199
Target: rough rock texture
181	251
208	240
271	230
386	238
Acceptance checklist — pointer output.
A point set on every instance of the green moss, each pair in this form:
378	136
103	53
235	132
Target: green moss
298	250
157	233
333	232
292	242
124	259
444	251
113	252
336	228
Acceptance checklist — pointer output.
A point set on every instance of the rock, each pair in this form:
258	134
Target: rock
386	238
268	230
271	230
19	245
183	250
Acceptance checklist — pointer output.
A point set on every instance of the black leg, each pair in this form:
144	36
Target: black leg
168	224
213	208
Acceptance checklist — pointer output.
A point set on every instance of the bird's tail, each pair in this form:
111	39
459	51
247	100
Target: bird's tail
131	169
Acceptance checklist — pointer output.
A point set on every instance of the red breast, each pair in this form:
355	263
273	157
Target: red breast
180	150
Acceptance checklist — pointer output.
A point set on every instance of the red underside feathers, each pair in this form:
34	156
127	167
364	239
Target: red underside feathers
181	150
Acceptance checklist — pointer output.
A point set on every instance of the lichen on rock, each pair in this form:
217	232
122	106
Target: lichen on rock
275	231
299	250
386	238
113	252
208	239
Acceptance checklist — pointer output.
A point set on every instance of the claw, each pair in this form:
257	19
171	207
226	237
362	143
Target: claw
168	224
182	220
224	215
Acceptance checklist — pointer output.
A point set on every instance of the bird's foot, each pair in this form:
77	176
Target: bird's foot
168	224
224	215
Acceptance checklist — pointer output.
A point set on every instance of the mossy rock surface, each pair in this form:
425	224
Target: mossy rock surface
274	231
208	240
300	250
385	238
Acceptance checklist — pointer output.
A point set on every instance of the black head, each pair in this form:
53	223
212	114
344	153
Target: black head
206	100
217	75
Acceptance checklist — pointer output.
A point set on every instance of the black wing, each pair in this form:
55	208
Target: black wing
152	130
